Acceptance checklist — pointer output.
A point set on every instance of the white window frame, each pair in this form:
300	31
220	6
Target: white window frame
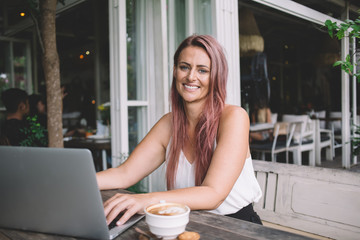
118	83
118	71
226	31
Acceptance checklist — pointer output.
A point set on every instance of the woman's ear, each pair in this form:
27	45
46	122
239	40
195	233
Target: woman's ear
24	107
21	106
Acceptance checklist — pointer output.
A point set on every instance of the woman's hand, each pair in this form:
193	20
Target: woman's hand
130	204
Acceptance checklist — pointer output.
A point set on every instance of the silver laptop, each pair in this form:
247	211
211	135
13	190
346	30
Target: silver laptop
53	190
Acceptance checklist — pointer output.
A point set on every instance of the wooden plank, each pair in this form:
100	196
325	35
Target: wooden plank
313	199
334	202
270	197
212	232
27	235
324	174
236	226
3	236
261	177
321	228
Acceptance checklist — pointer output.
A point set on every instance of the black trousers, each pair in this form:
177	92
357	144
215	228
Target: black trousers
248	214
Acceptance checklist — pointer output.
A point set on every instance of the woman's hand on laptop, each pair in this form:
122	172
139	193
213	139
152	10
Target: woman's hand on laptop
129	204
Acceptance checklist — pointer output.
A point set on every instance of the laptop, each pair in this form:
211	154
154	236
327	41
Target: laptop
53	190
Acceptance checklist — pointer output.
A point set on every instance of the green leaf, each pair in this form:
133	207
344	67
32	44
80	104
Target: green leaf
340	34
330	26
348	58
337	63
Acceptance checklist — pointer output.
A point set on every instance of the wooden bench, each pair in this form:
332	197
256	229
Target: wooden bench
317	200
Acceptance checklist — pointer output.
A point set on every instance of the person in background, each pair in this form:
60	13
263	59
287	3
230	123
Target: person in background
16	102
38	108
203	142
261	113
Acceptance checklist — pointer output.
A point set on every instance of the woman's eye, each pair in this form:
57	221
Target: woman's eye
184	67
203	71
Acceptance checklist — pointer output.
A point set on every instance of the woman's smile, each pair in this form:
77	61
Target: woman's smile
191	87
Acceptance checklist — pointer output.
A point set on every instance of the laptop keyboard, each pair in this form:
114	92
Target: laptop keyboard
113	223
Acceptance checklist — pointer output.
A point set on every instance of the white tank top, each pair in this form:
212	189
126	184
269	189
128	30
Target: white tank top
246	189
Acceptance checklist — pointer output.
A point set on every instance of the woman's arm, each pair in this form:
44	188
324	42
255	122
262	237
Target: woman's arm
146	157
226	165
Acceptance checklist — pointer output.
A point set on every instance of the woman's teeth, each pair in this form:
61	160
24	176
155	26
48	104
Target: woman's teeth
191	87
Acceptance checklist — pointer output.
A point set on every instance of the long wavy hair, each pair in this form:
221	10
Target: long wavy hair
206	128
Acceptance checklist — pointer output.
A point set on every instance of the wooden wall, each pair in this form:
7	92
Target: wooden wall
312	199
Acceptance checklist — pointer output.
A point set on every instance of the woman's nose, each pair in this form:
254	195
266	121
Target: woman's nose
192	75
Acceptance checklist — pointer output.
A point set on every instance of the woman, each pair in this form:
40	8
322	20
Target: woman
261	114
203	141
38	108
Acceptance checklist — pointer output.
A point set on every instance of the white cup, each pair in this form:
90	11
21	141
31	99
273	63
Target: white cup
167	220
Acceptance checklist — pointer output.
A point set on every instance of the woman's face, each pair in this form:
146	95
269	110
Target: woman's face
192	74
41	107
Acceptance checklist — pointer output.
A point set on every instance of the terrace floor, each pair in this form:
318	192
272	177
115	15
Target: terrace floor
336	163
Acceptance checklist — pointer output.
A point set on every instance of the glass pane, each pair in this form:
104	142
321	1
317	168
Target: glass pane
299	66
137	125
202	11
20	65
136	51
5	78
180	22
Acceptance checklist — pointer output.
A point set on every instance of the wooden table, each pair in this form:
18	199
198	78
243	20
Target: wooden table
94	145
210	227
258	127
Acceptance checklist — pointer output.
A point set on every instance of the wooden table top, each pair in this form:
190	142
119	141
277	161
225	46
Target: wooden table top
258	127
89	143
208	225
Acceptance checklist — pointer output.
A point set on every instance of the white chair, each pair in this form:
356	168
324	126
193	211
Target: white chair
277	145
324	138
321	115
335	126
274	117
304	137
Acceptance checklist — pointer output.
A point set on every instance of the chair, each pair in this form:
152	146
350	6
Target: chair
277	145
335	126
324	138
304	137
274	117
321	115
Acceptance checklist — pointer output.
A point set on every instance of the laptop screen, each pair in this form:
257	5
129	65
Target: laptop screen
51	190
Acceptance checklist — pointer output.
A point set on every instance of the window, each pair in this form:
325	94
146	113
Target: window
15	70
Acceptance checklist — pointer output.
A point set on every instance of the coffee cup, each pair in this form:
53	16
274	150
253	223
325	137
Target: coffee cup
167	220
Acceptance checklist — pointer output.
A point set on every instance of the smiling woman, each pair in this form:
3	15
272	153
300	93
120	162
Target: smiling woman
203	141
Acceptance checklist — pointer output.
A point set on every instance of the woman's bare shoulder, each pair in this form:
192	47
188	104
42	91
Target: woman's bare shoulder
234	117
232	111
166	120
162	129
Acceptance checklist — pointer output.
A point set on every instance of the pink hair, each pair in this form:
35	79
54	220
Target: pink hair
206	128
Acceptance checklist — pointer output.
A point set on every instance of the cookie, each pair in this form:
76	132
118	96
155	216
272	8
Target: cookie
189	236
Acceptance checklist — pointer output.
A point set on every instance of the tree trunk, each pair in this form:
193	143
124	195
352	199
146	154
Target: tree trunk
50	60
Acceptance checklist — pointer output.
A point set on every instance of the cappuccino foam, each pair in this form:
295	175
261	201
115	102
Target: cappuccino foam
167	210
